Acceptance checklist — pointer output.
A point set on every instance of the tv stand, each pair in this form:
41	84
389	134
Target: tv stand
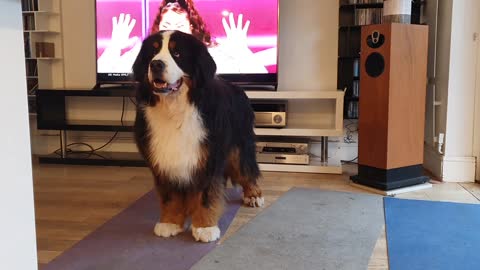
123	85
52	115
263	87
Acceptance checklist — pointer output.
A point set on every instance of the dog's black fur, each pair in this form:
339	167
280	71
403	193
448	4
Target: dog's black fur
224	108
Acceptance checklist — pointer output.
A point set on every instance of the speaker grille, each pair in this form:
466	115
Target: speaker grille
375	65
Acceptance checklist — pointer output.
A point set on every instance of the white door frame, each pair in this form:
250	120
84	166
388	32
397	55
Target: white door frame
476	131
476	116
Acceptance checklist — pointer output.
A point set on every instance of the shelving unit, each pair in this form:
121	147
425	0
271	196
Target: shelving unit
349	48
292	130
52	115
42	27
351	18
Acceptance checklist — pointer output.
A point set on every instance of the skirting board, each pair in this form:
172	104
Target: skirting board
449	169
393	192
458	169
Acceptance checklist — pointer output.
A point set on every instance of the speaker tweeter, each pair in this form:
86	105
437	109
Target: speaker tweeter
375	40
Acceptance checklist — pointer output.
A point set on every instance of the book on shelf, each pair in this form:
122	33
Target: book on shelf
26	40
31	68
30	5
352	110
363	1
368	16
28	22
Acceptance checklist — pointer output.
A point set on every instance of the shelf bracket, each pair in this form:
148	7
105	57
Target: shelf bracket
324	146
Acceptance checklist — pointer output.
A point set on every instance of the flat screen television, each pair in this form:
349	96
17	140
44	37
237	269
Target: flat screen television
242	35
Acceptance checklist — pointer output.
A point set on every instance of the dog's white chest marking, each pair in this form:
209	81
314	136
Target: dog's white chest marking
176	132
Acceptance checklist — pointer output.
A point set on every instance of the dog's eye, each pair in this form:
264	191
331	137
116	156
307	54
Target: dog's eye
175	54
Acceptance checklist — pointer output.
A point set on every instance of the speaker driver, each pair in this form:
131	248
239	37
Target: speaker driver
375	40
375	65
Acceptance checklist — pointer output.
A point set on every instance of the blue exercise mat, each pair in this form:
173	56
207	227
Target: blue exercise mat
432	235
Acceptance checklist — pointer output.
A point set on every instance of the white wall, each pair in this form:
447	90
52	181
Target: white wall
438	67
456	64
308	45
17	227
438	71
461	85
78	31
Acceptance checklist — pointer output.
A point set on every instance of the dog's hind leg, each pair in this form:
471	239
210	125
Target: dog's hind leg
252	194
246	176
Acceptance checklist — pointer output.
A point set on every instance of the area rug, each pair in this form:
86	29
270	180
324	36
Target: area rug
127	242
432	235
304	229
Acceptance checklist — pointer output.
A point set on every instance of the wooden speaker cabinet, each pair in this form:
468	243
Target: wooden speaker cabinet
393	63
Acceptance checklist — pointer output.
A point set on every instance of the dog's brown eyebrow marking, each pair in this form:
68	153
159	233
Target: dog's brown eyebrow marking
172	44
156	45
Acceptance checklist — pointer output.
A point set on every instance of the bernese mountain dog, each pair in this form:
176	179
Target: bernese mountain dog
195	131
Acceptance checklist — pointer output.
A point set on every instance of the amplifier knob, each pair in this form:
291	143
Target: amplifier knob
277	119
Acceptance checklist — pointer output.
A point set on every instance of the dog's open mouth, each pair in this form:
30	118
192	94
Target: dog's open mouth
162	87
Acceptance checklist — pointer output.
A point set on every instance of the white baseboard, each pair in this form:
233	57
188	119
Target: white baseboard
449	169
459	169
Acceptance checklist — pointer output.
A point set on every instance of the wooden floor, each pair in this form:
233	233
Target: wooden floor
72	201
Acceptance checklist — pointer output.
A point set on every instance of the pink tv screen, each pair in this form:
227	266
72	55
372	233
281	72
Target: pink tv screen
241	35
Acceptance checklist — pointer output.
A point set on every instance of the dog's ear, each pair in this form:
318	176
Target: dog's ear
140	66
204	68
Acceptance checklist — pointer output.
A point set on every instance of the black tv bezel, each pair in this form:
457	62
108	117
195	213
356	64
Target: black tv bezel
264	81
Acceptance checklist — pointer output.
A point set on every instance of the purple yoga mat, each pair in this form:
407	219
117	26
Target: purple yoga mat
127	241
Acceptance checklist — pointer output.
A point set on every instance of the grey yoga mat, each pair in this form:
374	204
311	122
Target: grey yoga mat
304	229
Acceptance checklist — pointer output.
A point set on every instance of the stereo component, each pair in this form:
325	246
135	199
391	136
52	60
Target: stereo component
284	151
283	158
270	113
283	147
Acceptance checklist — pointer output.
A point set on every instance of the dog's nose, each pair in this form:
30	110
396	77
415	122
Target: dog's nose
157	65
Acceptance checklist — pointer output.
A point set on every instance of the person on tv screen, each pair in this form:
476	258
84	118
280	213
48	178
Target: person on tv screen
232	55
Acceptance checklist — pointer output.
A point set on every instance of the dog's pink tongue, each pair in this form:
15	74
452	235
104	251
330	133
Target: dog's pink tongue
174	86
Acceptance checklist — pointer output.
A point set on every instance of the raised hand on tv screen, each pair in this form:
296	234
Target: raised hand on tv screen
238	58
112	59
236	32
121	30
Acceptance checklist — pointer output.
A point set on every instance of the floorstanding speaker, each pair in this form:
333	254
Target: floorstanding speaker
391	121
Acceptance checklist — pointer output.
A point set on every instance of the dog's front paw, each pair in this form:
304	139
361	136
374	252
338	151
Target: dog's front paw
254	201
206	234
167	229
